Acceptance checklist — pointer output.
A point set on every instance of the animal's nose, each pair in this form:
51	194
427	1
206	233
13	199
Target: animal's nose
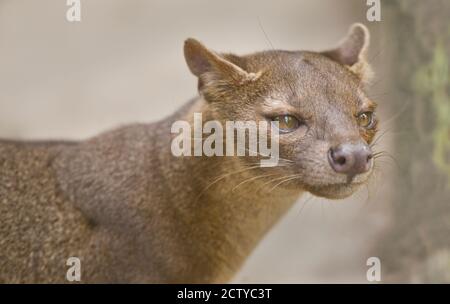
350	158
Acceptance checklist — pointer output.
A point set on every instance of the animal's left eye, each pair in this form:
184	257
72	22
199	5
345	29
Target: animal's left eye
365	119
286	123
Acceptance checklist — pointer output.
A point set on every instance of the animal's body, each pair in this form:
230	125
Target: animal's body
133	212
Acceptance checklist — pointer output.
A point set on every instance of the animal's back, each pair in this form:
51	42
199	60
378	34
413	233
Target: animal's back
39	228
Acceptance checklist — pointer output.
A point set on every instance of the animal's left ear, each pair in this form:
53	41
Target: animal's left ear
352	52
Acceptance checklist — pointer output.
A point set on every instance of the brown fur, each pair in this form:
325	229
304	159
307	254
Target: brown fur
134	213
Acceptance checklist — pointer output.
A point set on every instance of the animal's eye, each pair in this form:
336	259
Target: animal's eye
286	123
366	120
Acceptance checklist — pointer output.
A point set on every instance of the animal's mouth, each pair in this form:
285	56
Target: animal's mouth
335	191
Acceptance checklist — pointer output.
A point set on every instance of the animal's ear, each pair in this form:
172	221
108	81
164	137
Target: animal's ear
352	51
202	61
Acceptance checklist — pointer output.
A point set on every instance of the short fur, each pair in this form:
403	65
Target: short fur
133	212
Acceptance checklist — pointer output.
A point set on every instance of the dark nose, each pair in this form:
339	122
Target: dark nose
350	158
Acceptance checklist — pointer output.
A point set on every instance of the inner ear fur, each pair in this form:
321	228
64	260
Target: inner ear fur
352	51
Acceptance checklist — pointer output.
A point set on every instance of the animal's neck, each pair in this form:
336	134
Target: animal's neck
231	210
227	208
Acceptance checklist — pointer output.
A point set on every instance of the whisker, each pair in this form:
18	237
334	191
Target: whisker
396	115
224	176
379	154
251	179
379	137
247	168
295	176
304	204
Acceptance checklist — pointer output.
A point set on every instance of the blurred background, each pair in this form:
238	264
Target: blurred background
124	63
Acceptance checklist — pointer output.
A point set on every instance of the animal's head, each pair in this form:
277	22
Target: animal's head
326	121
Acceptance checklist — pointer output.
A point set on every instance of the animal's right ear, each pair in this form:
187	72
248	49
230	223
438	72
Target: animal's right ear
202	61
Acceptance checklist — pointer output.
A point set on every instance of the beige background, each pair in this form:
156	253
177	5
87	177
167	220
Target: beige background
123	63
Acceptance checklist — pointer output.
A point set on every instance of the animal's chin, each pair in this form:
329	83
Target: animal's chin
334	191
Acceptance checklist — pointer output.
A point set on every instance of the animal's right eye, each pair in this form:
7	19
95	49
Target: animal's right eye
286	123
366	119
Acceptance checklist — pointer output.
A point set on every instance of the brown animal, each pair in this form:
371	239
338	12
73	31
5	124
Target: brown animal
133	212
